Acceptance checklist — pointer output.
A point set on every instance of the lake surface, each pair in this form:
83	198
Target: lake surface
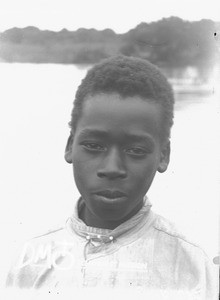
37	188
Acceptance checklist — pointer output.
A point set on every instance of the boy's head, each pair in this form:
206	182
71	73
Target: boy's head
120	130
127	76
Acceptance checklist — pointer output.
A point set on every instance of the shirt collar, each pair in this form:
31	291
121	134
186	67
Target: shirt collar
76	225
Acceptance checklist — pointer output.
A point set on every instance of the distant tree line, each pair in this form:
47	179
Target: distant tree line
169	42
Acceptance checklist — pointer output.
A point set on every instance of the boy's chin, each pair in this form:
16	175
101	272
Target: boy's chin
114	215
109	216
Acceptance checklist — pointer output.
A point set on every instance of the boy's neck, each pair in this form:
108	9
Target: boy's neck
93	221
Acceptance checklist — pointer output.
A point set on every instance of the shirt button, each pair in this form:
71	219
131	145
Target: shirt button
88	237
111	238
98	236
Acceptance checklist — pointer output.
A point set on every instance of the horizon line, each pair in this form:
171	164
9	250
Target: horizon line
108	28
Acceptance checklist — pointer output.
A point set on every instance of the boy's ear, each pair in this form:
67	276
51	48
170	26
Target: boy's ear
164	158
68	149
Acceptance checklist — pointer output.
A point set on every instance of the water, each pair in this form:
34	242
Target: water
37	188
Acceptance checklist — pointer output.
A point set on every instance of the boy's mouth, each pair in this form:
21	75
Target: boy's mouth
111	194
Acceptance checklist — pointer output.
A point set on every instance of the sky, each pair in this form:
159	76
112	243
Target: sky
119	15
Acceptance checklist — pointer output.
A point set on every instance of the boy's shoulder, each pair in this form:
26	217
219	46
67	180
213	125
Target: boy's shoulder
55	236
50	234
172	232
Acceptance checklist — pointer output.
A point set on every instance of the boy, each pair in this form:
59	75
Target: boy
119	139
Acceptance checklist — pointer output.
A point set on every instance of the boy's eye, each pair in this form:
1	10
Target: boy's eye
98	147
93	146
137	151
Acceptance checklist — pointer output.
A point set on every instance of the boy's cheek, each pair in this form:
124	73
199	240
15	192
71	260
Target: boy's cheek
82	169
145	168
82	162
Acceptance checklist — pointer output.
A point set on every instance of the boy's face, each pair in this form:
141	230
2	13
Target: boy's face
117	147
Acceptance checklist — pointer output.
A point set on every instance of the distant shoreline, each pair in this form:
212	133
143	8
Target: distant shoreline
169	42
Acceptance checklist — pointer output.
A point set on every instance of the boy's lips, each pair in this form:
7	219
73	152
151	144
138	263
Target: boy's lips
112	194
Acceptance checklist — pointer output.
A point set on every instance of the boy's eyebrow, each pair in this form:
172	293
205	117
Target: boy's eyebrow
104	133
95	132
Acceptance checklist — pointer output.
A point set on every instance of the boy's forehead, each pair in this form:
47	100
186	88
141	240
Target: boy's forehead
111	111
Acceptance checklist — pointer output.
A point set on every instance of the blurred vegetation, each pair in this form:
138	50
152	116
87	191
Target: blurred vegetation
170	42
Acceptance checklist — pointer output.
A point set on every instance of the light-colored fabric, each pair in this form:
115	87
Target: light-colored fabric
145	252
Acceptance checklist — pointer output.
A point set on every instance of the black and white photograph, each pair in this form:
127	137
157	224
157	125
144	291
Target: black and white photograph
110	149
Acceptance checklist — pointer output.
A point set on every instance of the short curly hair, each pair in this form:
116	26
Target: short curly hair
126	76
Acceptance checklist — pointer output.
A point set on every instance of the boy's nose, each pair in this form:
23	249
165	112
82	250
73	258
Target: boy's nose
112	166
